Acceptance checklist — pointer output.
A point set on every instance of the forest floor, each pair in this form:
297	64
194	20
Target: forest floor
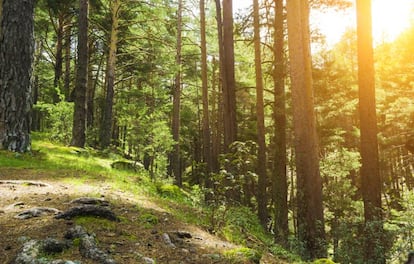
138	238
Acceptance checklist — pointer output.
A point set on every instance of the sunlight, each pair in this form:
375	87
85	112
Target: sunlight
390	18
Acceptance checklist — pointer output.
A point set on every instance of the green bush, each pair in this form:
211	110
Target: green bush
57	119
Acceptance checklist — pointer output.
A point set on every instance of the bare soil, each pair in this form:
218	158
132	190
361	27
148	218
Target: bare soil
126	241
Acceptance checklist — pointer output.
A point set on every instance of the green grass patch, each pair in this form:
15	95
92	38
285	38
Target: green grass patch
94	223
243	255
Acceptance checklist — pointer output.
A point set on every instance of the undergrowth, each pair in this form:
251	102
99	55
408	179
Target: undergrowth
78	166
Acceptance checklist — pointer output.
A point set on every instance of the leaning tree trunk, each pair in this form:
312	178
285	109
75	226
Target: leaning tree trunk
309	183
16	58
79	115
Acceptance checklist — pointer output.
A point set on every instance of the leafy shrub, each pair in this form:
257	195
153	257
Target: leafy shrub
57	120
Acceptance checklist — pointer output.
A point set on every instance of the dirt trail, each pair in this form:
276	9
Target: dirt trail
127	241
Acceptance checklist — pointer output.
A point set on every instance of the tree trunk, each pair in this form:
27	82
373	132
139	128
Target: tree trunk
66	89
107	112
58	58
16	59
175	155
261	152
207	153
79	115
229	89
309	184
370	176
280	187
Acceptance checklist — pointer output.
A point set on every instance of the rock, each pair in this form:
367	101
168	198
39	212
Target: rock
148	260
88	247
36	212
28	253
90	200
51	246
29	183
167	240
88	210
182	234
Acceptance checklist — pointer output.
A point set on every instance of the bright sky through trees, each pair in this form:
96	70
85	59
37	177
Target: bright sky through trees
390	18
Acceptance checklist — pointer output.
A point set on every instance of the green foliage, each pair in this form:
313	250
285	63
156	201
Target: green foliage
240	225
243	255
168	190
149	220
57	120
401	224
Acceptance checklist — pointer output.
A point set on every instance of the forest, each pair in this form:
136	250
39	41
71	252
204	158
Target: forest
251	107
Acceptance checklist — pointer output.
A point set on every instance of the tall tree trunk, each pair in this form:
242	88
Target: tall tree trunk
68	41
175	126
79	115
207	153
309	184
58	57
280	187
370	176
16	59
229	89
261	153
107	113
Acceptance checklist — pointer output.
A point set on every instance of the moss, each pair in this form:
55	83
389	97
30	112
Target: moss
170	191
93	223
243	255
149	220
323	261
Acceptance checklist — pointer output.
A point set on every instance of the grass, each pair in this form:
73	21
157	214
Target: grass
80	166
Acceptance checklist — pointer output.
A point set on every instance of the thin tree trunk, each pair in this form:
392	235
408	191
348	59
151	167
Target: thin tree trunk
68	37
58	57
370	176
107	113
207	157
16	59
309	184
79	116
175	155
229	90
280	187
261	153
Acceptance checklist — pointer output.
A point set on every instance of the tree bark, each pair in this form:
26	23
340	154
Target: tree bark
79	115
175	127
16	59
370	176
66	89
107	111
229	90
309	184
207	153
261	152
279	187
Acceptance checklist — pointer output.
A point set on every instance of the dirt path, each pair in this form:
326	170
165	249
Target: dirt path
139	234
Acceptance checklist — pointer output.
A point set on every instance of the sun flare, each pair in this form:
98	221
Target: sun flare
389	19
